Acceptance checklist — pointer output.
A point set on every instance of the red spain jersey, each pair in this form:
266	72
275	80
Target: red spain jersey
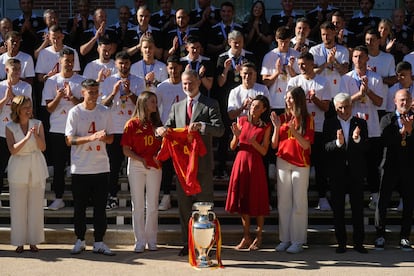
289	148
184	148
141	139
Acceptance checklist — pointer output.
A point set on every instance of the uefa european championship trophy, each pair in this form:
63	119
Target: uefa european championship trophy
204	232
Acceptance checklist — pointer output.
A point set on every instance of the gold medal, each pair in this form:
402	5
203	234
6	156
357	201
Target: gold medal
403	143
236	78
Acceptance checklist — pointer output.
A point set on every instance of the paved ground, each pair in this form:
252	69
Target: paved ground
54	259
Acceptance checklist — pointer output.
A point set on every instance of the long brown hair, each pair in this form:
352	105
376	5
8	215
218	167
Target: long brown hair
140	111
301	110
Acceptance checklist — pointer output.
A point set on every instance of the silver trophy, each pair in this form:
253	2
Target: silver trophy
203	231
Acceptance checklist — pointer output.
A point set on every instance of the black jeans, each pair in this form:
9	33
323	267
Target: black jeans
60	157
116	157
94	188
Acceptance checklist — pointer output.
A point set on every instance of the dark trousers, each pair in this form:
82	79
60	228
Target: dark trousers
353	185
185	203
374	158
167	176
60	157
318	161
4	159
93	188
116	157
391	178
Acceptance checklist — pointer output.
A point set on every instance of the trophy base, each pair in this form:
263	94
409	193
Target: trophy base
203	262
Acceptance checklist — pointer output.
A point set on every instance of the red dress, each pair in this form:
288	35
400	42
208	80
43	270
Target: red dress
248	193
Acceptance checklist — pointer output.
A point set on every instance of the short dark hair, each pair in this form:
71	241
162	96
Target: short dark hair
327	25
193	39
361	48
55	28
403	65
227	4
103	40
306	56
303	20
122	55
283	33
339	14
373	31
89	83
66	51
174	59
249	64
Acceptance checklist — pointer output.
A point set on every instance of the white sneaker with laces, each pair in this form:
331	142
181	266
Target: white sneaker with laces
78	247
323	204
57	204
101	248
295	248
165	203
282	246
139	248
152	246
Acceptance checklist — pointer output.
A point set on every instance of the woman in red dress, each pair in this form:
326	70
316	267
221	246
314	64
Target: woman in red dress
247	193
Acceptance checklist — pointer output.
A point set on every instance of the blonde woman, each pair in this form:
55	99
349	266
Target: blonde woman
27	173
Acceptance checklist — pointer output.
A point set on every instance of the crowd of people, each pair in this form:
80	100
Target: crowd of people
319	88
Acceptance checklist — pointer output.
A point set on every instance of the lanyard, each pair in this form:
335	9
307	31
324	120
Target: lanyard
223	30
144	68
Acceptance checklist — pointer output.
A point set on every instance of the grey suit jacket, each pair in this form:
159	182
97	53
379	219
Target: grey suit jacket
207	110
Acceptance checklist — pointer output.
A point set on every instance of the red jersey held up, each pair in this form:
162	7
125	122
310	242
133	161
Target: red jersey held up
141	139
184	148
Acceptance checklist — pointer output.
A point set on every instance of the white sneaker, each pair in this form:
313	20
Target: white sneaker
165	203
295	248
374	201
400	206
101	248
347	203
57	204
323	204
78	247
152	246
139	248
282	246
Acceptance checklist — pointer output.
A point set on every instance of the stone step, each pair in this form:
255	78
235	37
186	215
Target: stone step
171	234
123	215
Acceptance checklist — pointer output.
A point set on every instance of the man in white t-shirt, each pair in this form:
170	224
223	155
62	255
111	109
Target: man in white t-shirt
9	88
168	93
88	130
318	96
365	88
13	40
47	63
382	63
102	67
60	93
241	96
331	59
119	92
279	65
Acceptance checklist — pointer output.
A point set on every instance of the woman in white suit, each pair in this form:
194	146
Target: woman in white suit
27	173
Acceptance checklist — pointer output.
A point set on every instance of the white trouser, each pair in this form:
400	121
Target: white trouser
145	185
26	213
292	195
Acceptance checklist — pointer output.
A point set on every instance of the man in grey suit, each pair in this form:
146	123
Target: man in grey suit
204	117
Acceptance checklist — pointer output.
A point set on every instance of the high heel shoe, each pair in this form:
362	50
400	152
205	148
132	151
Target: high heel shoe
33	248
244	244
19	249
256	244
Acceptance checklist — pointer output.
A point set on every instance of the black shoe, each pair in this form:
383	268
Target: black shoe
379	243
360	249
183	251
340	249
